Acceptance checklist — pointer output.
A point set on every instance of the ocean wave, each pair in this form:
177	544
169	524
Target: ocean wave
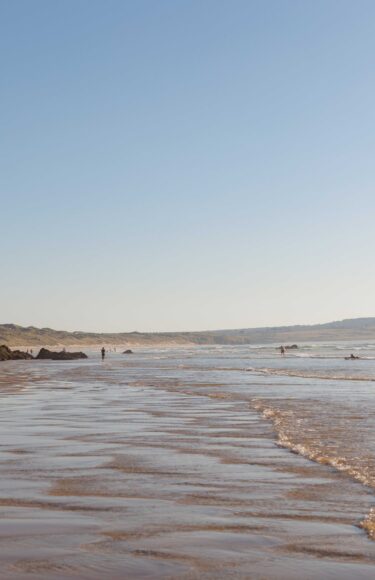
368	524
290	431
309	374
364	474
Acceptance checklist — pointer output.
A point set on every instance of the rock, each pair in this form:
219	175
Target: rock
7	354
21	355
291	346
128	351
46	354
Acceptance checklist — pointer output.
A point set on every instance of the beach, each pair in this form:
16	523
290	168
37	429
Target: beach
195	462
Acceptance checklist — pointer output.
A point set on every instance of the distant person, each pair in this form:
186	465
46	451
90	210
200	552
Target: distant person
103	353
282	350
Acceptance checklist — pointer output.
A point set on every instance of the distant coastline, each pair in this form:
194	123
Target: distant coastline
349	329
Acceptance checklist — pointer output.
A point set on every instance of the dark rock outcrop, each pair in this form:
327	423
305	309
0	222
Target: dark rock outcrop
128	351
7	354
291	346
21	355
46	354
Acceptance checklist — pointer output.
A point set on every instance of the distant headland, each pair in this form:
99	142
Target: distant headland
349	329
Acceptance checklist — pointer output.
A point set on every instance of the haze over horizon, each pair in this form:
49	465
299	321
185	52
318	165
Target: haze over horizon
186	166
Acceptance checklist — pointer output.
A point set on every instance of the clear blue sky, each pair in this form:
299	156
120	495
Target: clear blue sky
186	164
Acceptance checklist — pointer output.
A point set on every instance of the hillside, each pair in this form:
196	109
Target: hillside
350	329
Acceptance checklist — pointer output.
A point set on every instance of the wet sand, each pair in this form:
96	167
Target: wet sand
155	468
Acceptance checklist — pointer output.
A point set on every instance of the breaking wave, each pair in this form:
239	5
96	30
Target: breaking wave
299	435
302	374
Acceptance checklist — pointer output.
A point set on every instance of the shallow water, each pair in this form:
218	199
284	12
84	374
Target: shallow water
177	464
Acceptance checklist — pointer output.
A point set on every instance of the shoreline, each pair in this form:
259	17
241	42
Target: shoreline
162	468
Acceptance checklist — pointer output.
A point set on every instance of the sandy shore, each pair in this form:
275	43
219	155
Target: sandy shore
143	469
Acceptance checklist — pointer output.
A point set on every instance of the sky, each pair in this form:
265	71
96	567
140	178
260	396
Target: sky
186	164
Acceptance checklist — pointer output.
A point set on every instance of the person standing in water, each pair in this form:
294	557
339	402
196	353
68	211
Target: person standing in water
103	353
282	350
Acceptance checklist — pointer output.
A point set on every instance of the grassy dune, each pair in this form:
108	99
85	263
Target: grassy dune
351	329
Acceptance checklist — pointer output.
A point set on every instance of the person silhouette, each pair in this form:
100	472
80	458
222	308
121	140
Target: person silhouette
103	353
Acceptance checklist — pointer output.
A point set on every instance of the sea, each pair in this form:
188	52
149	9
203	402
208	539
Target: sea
202	462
